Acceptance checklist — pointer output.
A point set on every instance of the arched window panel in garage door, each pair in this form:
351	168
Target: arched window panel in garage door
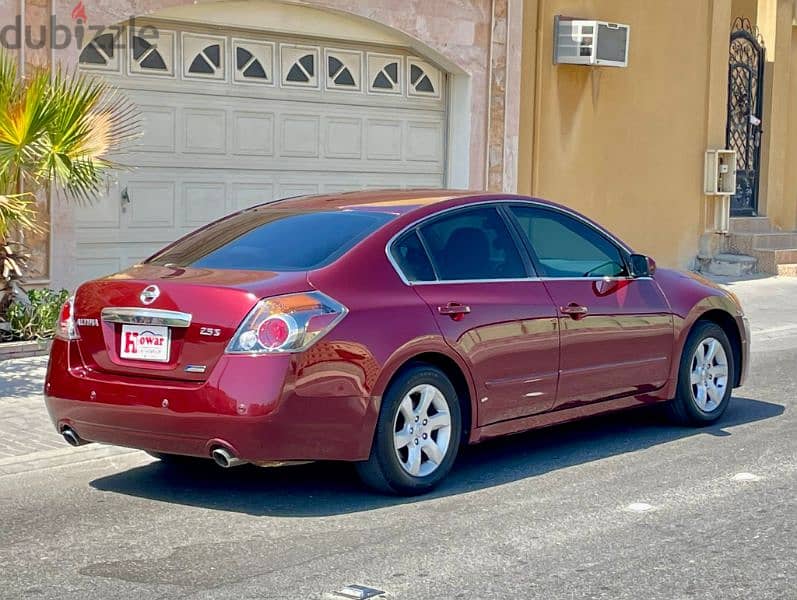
299	65
253	61
384	73
343	70
204	56
102	53
151	52
424	79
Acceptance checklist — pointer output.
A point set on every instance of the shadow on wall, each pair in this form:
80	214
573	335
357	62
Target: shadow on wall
329	489
573	90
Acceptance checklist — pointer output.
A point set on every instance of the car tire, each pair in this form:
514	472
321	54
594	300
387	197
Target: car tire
705	377
418	433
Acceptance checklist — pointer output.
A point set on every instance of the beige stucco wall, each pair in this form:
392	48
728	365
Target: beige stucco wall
626	146
788	216
784	213
745	8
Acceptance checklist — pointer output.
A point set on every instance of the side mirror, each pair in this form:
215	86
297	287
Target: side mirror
642	266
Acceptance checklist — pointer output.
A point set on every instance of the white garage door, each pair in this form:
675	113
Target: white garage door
231	120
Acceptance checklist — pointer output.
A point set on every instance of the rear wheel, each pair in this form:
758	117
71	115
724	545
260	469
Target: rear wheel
705	376
417	435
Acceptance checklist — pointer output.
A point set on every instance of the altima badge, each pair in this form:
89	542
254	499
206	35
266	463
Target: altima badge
150	294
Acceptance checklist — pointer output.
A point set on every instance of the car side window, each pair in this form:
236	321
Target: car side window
411	258
473	244
566	247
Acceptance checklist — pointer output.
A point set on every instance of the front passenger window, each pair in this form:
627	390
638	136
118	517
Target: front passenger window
566	247
473	244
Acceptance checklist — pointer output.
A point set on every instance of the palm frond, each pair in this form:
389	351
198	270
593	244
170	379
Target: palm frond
59	129
8	77
18	211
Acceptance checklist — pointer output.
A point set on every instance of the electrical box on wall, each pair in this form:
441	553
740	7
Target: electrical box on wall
720	172
592	43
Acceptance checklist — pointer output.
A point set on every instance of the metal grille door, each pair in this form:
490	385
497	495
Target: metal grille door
745	94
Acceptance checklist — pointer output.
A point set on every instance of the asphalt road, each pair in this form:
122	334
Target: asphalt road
540	515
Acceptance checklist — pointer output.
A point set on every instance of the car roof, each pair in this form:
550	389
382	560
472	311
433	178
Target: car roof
405	202
398	202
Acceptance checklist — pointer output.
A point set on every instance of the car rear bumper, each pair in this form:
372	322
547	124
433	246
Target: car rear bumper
248	405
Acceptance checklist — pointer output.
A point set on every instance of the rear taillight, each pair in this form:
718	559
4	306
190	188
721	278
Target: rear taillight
286	324
65	328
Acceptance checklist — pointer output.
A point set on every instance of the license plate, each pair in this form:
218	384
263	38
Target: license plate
146	342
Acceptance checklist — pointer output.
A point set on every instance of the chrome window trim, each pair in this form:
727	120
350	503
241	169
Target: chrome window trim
501	202
146	316
527	279
459	281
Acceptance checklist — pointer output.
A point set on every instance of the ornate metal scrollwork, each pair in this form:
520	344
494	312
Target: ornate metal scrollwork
745	99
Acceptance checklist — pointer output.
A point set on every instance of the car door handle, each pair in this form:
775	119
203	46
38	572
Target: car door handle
574	310
455	310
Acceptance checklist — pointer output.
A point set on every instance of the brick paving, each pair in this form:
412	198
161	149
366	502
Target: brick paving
25	427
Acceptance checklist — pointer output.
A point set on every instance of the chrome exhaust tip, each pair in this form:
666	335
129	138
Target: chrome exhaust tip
72	438
225	459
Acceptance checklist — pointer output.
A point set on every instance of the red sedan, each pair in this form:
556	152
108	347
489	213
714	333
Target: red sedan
385	328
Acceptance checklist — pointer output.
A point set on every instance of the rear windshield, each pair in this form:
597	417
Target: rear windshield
273	240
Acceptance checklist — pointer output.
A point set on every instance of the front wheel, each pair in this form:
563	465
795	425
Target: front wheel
417	434
705	377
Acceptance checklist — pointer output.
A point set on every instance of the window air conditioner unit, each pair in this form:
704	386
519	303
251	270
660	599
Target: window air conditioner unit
592	43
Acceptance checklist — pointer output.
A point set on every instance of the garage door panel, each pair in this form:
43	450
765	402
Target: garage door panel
299	136
204	131
383	139
202	203
151	204
137	253
103	213
246	195
289	190
424	142
91	260
111	239
93	268
253	133
158	126
343	137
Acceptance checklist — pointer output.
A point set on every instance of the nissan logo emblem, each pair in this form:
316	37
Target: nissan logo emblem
150	294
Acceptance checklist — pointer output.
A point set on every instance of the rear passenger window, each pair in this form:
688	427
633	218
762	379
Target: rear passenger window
273	239
411	258
473	244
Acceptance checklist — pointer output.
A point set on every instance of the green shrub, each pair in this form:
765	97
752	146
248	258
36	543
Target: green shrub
36	320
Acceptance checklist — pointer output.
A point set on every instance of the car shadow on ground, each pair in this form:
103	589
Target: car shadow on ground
323	489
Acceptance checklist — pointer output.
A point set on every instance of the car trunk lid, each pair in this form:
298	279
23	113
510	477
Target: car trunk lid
169	322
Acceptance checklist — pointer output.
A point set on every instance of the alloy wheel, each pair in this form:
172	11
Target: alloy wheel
708	376
422	430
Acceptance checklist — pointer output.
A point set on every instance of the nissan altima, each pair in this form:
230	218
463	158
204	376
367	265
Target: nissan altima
385	328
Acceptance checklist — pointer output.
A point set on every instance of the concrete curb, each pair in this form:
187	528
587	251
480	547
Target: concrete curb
10	350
